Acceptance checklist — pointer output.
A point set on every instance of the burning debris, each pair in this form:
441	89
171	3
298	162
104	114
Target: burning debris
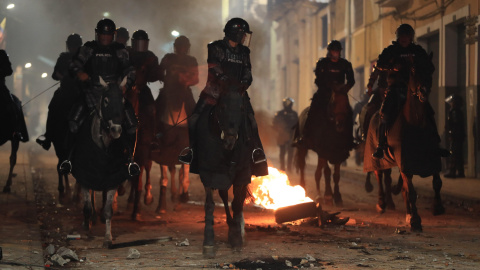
289	202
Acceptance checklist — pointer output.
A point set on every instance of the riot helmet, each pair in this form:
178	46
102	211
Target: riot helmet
140	41
334	49
405	34
238	30
74	41
122	35
105	27
181	45
288	103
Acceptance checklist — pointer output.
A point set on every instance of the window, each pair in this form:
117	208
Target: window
357	13
324	31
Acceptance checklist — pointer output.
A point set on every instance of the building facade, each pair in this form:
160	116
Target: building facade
301	29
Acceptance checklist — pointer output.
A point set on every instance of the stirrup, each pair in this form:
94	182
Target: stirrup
65	167
258	156
133	169
43	142
186	156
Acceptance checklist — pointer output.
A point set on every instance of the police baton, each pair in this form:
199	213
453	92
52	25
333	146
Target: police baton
40	93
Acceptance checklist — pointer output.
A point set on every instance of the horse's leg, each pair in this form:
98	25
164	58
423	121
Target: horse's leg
148	186
282	157
381	205
108	213
173	185
61	188
399	186
410	196
162	199
224	195
77	195
68	189
328	194
300	161
102	210
137	187
368	183
184	183
94	209
337	196
131	195
318	175
87	208
208	236
438	208
388	189
13	161
236	232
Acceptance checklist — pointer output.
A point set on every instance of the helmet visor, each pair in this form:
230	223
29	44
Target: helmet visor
247	39
140	45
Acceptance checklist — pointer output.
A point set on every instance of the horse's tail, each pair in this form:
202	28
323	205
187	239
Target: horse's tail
396	190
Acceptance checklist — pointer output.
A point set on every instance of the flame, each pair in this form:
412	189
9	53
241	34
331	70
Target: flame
274	190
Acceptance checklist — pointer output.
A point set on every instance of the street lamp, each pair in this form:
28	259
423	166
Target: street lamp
106	14
175	33
44	75
28	65
10	6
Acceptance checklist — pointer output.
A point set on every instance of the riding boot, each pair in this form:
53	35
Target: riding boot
77	116
186	156
43	141
382	141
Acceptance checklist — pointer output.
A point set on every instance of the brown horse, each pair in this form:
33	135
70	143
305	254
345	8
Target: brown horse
413	145
332	141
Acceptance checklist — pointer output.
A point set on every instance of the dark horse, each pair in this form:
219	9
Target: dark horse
224	159
101	152
11	118
413	146
331	140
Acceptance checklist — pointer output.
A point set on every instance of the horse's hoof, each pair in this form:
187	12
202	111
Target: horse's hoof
408	218
87	225
380	209
107	244
136	217
148	199
6	190
438	210
391	206
184	197
160	211
338	201
209	252
416	227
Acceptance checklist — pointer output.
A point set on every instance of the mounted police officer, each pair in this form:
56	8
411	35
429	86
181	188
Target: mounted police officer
398	60
330	75
100	58
284	123
10	101
66	95
228	62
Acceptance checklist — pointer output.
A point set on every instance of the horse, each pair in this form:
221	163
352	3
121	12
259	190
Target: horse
224	160
11	117
331	140
413	146
172	107
100	153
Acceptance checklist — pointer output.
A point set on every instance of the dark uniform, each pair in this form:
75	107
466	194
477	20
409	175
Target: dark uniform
11	103
284	123
456	137
329	76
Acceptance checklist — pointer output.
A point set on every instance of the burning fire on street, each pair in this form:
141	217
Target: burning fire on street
274	191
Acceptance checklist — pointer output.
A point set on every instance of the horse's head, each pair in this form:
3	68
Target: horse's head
230	112
339	111
110	109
